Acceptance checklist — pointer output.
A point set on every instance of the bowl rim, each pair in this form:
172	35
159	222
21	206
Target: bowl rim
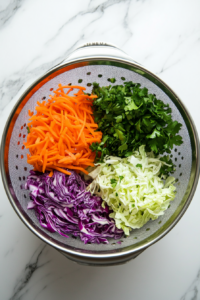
123	251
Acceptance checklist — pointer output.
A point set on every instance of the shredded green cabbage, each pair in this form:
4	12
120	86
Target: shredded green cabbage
132	188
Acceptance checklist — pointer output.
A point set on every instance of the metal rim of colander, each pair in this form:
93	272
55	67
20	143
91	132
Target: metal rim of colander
87	254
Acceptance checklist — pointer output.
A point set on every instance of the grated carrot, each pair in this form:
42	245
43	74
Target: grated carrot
61	132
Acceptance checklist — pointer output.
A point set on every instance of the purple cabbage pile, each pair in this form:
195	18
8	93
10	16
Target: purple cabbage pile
63	205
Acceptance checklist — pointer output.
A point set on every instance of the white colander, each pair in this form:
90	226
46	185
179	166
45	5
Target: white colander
98	62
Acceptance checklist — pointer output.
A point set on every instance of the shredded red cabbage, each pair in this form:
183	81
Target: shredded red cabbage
62	205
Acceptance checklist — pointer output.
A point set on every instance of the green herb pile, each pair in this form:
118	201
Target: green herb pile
130	117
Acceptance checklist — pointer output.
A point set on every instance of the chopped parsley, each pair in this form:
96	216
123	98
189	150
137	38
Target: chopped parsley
130	117
139	166
113	182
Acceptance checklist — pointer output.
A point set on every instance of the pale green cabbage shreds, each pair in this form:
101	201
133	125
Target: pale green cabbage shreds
132	188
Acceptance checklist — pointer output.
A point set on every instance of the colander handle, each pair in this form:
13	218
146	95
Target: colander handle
97	44
96	50
103	48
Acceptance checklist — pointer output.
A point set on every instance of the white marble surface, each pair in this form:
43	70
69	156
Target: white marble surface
165	37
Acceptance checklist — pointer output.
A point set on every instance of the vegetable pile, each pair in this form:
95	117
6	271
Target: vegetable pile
122	131
132	188
61	132
63	205
130	117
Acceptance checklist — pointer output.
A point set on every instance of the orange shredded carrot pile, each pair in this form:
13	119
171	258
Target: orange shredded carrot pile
62	131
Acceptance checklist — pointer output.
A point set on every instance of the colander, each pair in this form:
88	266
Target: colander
88	63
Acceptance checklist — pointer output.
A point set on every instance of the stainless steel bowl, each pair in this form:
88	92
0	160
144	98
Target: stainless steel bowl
98	62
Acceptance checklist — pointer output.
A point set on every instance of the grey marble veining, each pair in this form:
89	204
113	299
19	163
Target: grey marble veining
20	289
11	85
8	9
193	292
165	37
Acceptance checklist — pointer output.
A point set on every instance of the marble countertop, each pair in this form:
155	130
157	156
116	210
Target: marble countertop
162	35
